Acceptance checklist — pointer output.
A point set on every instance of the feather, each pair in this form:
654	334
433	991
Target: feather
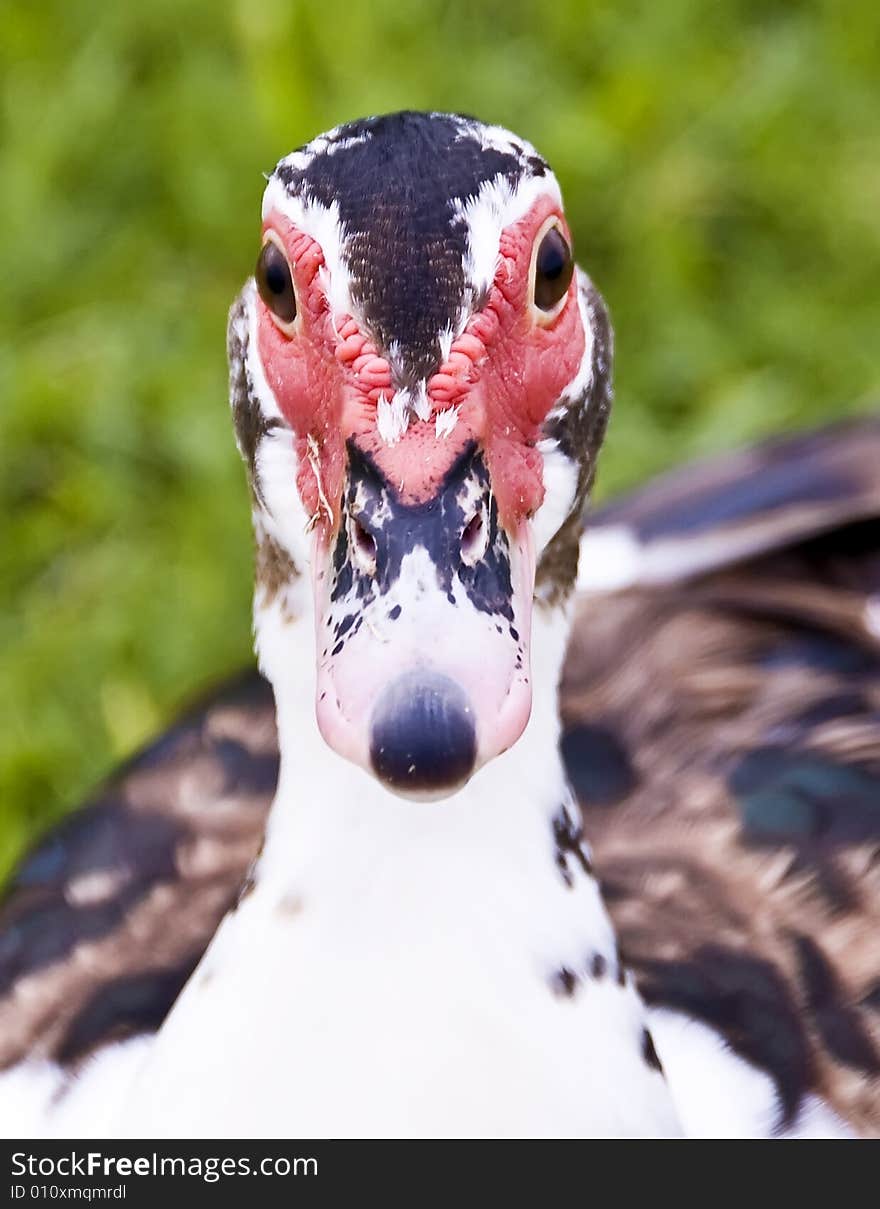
722	731
105	919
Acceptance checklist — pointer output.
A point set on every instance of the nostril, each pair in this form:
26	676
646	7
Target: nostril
363	545
474	538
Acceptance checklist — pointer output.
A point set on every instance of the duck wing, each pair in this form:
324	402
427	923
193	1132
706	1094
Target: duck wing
108	915
721	714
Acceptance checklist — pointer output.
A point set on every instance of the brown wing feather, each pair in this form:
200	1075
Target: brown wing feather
109	914
753	501
723	736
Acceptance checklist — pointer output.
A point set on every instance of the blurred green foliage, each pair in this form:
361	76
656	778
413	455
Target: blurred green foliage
721	168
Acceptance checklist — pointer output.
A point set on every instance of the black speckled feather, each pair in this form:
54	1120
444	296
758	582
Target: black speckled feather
722	732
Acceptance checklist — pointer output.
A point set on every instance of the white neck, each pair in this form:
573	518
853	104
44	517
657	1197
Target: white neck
333	817
403	968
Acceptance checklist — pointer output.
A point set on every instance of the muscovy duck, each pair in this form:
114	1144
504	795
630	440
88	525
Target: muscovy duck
416	938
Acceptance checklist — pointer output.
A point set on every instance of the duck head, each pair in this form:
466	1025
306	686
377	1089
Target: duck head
420	383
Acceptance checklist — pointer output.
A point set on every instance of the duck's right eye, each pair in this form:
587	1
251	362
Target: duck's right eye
275	284
554	268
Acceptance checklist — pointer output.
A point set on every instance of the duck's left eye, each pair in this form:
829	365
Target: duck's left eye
275	283
553	269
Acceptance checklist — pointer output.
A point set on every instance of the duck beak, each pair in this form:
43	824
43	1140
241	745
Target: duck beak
423	616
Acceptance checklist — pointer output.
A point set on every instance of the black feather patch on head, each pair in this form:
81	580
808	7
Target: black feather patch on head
397	180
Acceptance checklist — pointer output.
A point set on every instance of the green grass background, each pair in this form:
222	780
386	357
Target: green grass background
721	163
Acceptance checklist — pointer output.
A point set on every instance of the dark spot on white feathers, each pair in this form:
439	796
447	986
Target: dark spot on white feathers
649	1052
570	845
564	982
342	627
290	905
275	569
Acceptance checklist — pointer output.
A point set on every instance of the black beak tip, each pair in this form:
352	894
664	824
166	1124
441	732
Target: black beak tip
423	739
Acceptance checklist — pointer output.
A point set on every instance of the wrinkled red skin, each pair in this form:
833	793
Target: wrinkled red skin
505	372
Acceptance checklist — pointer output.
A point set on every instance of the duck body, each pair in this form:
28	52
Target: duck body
738	1039
469	992
400	930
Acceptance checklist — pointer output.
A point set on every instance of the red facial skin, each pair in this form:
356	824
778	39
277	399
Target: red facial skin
504	372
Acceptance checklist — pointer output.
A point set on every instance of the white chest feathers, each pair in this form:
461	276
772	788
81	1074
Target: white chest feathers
426	973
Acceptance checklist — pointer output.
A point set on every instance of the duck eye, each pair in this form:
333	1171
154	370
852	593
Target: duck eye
275	284
553	269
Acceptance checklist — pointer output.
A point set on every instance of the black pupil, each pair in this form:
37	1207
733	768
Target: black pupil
553	269
276	273
551	257
274	283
